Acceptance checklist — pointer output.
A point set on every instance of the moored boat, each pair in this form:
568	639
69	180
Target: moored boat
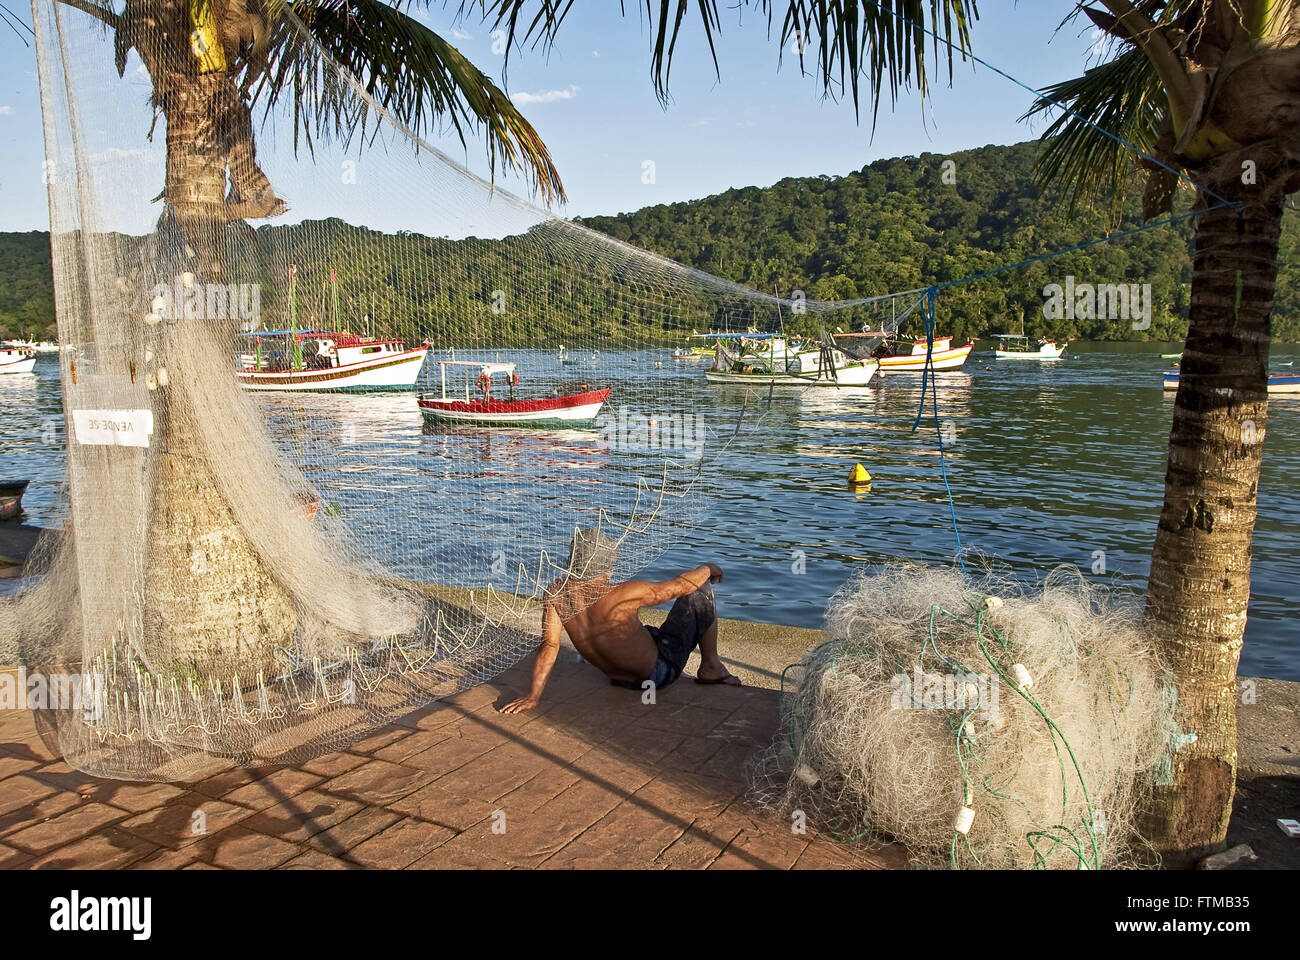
821	366
1278	383
16	359
1016	346
906	355
565	409
11	498
320	361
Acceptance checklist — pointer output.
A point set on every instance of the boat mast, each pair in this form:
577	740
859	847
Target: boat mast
296	347
334	281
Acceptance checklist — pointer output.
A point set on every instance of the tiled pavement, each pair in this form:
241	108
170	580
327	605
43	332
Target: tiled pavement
592	778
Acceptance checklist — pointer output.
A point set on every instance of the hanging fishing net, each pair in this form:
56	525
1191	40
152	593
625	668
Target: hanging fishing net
267	574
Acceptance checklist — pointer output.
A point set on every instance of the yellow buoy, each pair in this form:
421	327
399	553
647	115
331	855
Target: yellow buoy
859	476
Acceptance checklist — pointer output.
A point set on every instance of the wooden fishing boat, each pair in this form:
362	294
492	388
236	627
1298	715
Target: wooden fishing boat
904	355
1017	346
320	361
820	366
567	409
1278	383
16	359
324	361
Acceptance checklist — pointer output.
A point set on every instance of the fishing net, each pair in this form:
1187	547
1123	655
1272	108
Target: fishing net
979	724
264	574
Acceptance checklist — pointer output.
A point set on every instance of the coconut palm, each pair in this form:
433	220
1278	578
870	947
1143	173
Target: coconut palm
1205	88
216	66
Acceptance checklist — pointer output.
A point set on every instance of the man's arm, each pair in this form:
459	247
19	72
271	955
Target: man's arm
550	649
682	585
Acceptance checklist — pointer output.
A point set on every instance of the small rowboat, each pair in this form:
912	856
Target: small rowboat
11	498
568	410
1278	383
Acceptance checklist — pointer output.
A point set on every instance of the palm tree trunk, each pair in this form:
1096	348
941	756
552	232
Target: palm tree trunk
212	606
1200	566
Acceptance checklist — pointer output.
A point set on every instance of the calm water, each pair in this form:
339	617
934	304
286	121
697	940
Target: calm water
1049	463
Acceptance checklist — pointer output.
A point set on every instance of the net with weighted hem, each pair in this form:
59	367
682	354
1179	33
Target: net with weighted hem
266	576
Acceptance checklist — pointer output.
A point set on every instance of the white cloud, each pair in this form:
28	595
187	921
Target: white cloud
595	53
546	96
6	111
744	123
460	34
138	155
701	123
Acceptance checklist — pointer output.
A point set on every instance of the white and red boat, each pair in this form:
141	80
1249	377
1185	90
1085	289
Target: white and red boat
567	410
894	356
323	361
1278	383
16	359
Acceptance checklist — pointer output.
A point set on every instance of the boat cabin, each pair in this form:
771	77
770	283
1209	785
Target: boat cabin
483	382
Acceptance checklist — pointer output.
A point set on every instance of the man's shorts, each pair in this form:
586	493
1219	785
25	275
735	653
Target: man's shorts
678	635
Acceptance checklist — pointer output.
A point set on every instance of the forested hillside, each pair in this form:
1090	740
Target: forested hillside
26	286
894	225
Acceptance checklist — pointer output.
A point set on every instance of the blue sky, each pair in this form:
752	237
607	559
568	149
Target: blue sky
593	102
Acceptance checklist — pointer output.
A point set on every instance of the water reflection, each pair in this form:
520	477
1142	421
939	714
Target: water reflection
1047	466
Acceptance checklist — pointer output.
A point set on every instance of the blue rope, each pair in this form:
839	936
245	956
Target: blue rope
928	382
1038	95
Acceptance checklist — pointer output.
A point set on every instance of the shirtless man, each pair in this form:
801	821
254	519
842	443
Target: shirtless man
603	621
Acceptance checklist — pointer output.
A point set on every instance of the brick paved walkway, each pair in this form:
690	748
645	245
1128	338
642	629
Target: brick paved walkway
593	778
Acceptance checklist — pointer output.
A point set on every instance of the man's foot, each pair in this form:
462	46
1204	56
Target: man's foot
716	673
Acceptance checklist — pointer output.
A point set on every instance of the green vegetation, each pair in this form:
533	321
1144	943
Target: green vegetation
27	294
891	226
895	225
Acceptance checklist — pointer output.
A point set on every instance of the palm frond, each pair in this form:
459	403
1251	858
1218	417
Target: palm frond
880	42
1123	96
407	69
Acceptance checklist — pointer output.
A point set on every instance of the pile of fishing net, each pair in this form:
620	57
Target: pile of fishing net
979	725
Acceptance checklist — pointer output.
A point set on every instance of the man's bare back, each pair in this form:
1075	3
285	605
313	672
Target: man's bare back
603	622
